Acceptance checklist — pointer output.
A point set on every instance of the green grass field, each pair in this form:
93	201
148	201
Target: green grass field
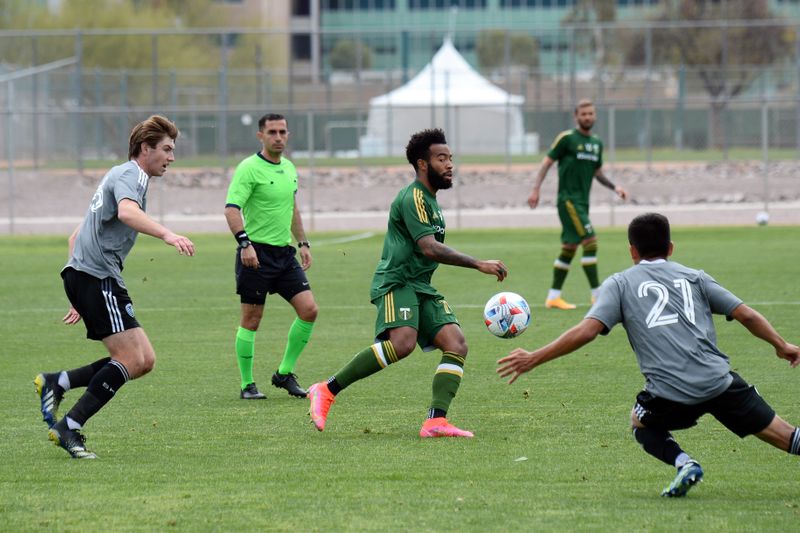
179	451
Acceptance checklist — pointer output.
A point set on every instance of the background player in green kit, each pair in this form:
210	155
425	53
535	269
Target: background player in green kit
666	310
262	214
410	310
580	160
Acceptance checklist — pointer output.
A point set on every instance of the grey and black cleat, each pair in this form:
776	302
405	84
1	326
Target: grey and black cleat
251	392
289	382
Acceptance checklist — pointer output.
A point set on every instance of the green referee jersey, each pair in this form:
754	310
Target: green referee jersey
265	192
579	156
414	214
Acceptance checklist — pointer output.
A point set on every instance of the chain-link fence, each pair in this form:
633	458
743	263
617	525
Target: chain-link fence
722	101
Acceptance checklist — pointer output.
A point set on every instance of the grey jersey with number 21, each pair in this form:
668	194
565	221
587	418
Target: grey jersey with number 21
103	240
666	310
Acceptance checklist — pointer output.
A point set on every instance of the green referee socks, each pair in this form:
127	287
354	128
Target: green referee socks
298	337
446	380
245	343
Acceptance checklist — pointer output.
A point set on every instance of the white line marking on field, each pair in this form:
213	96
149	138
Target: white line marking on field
339	307
349	238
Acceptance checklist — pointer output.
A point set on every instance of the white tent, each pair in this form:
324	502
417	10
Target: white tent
477	116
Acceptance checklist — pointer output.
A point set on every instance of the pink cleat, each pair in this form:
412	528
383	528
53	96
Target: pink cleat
440	427
321	400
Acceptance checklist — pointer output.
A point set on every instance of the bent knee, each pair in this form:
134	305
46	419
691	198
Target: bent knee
309	314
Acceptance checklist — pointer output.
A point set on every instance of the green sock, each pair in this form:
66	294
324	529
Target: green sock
589	264
245	343
561	267
446	380
298	337
366	362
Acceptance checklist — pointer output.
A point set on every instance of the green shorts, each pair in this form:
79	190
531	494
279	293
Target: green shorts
403	306
575	224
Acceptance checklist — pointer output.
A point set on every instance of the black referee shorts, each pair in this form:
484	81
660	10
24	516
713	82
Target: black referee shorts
278	272
104	306
739	408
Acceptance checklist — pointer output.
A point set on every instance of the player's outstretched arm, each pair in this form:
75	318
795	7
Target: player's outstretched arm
132	215
520	361
761	328
433	249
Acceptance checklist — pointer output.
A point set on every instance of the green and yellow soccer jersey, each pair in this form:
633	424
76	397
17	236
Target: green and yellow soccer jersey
414	214
265	192
579	156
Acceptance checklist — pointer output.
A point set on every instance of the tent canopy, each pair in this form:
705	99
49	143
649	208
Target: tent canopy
447	80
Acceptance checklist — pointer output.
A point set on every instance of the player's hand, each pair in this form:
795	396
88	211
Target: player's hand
622	193
72	317
791	353
533	199
181	243
516	363
249	257
305	257
494	267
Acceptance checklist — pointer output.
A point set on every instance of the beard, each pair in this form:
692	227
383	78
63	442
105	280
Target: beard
586	124
437	180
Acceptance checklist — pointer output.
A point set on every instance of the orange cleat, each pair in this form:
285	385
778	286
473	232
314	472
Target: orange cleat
321	400
558	303
440	427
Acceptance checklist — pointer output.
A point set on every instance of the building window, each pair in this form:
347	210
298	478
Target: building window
301	46
446	4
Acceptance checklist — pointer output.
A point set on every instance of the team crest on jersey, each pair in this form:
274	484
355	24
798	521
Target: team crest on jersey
129	310
97	200
405	312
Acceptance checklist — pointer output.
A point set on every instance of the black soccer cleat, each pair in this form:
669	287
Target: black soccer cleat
71	440
251	392
50	395
289	382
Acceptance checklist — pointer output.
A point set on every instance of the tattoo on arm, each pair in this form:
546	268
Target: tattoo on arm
604	180
450	256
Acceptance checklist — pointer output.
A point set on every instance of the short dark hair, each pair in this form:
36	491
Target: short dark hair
583	102
150	131
419	146
649	234
268	117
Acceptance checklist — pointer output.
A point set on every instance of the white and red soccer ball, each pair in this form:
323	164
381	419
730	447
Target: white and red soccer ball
507	314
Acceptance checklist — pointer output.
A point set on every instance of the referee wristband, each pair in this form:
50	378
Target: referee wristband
241	237
304	243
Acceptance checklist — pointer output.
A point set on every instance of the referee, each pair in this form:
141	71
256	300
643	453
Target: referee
262	214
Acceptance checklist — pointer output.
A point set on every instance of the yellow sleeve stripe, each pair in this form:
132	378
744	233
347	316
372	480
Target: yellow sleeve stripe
559	137
419	201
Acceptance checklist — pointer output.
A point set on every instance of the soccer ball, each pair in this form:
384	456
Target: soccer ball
762	218
507	314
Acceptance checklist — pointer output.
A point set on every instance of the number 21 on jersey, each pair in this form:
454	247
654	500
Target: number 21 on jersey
656	316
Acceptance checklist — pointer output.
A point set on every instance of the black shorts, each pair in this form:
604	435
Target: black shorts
104	306
739	408
278	272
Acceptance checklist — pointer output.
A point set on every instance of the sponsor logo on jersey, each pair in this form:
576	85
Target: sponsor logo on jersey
588	157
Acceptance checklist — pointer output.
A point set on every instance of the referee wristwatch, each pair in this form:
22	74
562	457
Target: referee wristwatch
244	244
304	243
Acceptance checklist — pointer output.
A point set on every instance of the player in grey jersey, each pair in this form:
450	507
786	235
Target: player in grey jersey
666	310
95	288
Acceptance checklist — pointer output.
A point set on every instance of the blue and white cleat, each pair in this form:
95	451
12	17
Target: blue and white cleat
50	396
688	476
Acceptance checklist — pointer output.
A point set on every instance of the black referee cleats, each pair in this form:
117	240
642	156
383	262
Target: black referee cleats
251	392
71	440
289	382
50	396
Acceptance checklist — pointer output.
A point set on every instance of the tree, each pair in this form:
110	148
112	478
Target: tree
726	58
345	55
491	49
